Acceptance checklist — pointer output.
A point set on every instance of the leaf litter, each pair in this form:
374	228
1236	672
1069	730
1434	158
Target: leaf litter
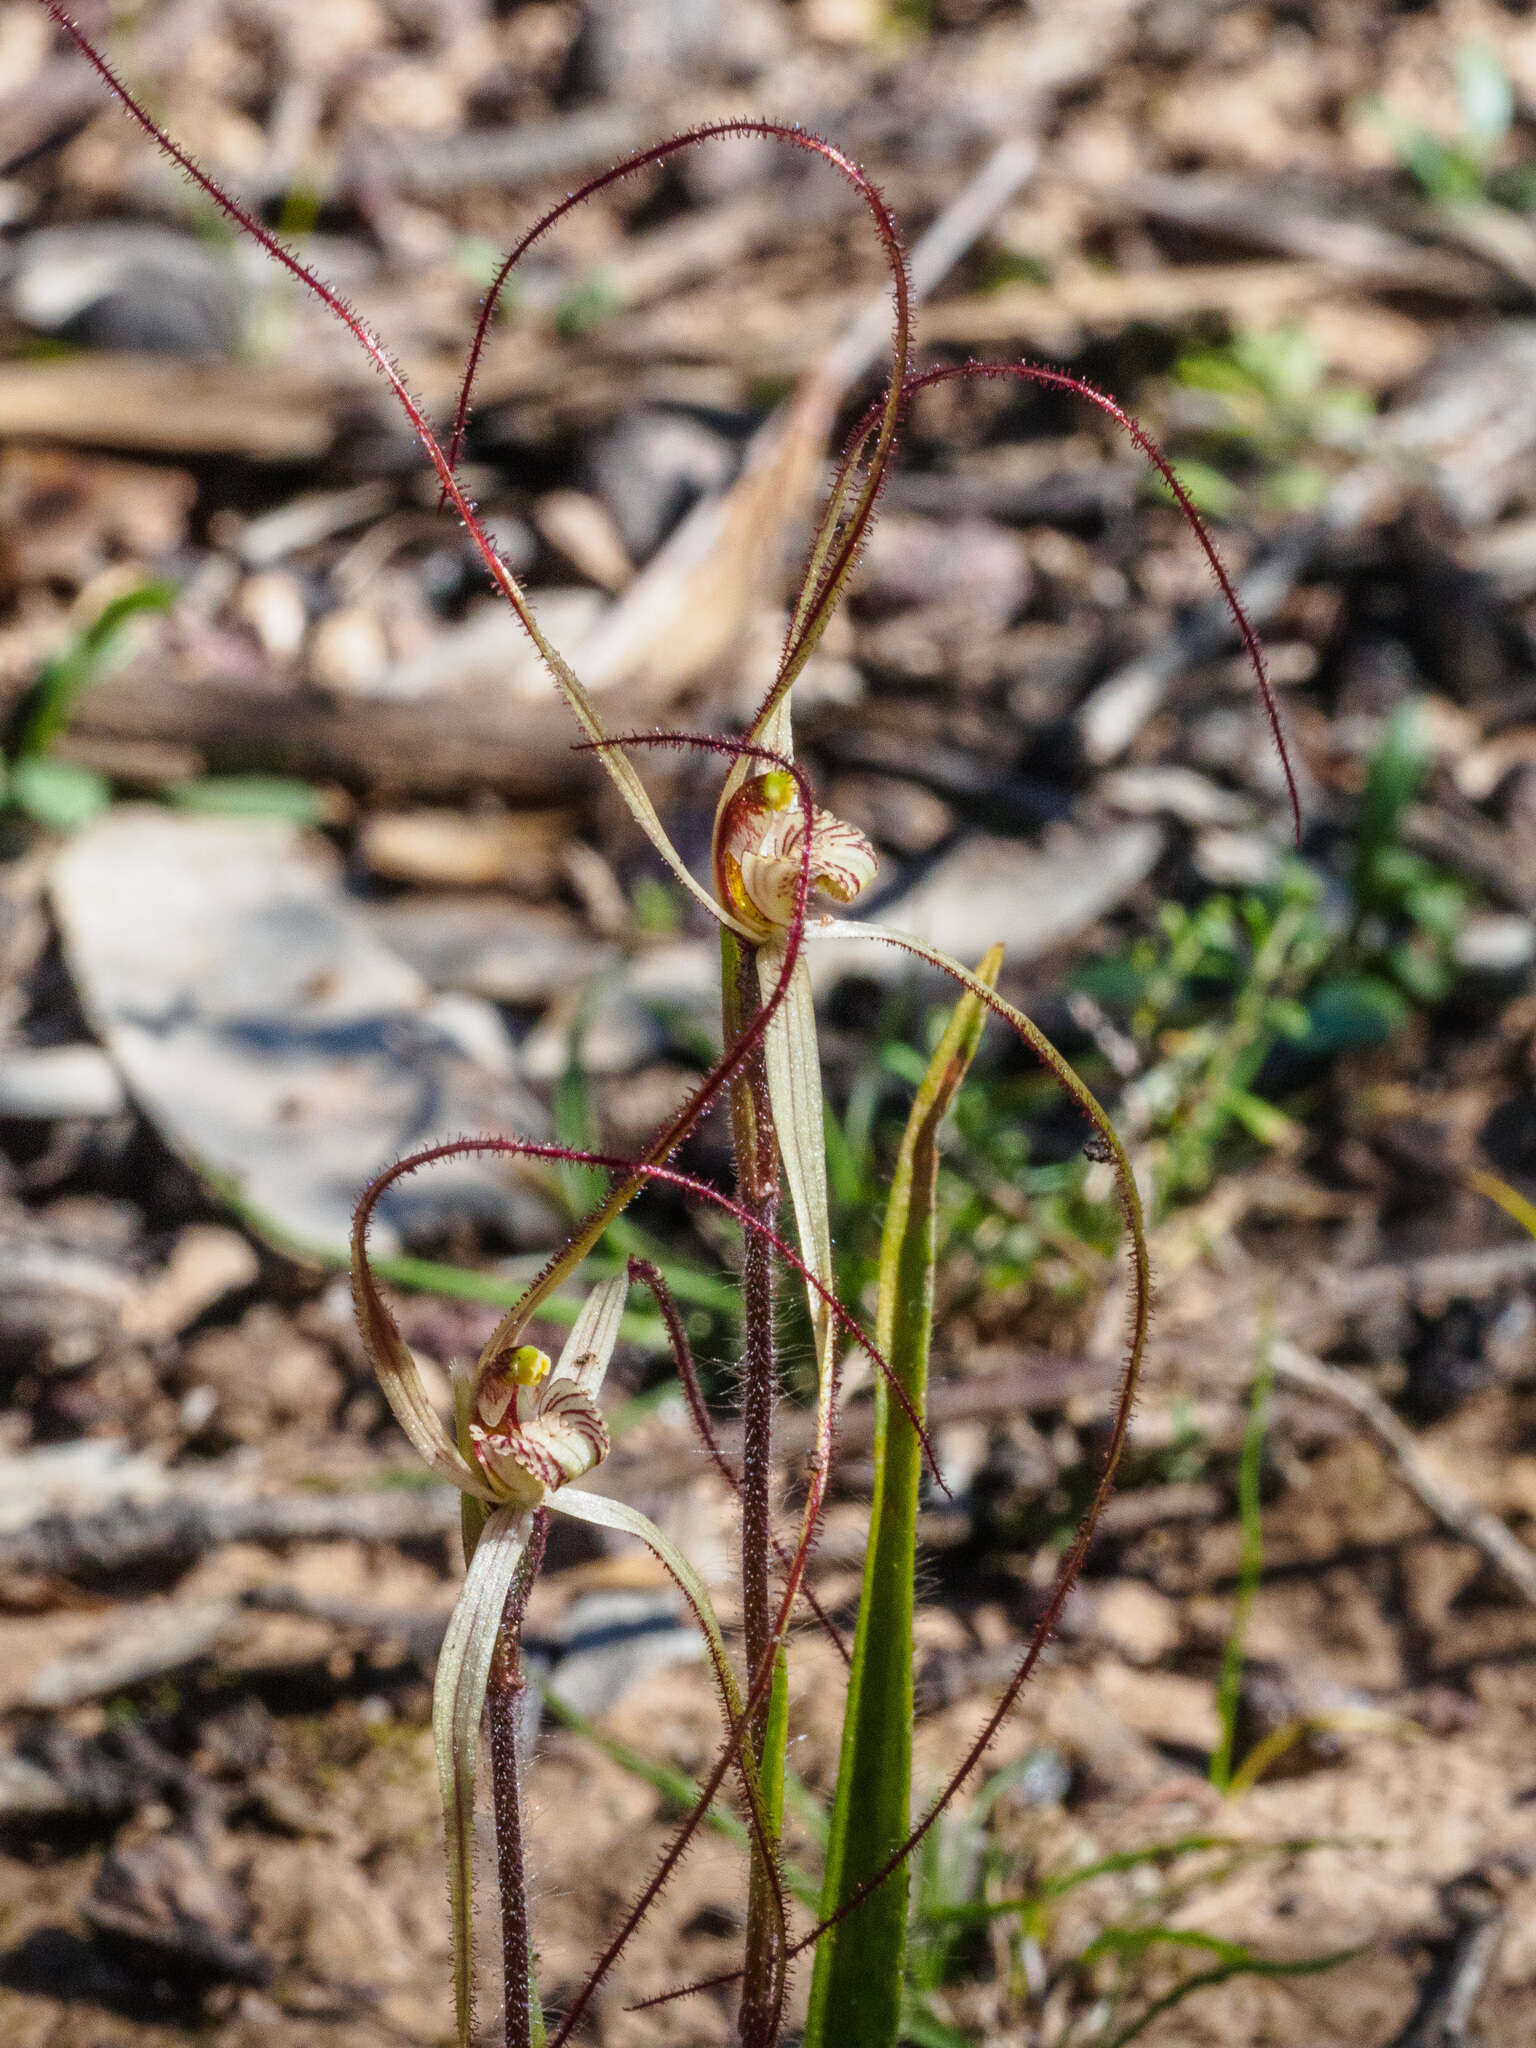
1149	226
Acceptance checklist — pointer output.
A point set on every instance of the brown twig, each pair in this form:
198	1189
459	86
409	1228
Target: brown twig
1444	2018
1449	1503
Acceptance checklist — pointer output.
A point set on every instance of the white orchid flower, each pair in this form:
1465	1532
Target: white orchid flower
526	1430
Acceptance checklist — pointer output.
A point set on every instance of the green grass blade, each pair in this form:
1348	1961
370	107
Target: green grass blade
1250	1474
856	1991
1248	1965
46	710
1134	1943
1509	1199
924	2030
977	1912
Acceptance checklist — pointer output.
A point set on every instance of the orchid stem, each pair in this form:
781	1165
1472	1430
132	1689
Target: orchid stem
757	1185
504	1699
758	1386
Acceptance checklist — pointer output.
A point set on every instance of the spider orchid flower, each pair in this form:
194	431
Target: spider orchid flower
525	1430
531	1431
760	836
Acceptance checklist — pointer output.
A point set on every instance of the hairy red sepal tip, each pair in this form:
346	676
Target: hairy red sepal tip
793	133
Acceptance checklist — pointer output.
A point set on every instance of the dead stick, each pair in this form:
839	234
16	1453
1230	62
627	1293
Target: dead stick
1449	1503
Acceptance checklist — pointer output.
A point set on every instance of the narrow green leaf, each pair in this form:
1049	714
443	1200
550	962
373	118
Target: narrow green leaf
1509	1199
45	711
251	796
856	1991
924	2030
1250	1566
458	1699
1133	1943
1234	1853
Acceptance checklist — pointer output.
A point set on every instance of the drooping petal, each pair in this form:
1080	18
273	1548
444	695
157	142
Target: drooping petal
399	1375
458	1699
622	774
617	1514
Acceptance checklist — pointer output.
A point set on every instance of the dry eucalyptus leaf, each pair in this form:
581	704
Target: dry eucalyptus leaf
265	1030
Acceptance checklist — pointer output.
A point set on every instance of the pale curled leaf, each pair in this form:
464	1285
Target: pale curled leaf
793	1065
458	1699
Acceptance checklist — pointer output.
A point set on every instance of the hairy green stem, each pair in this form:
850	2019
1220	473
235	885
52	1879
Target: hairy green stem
758	1365
764	1961
504	1698
757	1186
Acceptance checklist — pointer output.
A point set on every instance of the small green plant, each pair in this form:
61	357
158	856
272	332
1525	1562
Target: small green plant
1250	1564
1233	997
1262	409
1397	950
1206	1002
1006	1221
1463	169
63	795
1114	1959
1407	911
51	792
250	796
